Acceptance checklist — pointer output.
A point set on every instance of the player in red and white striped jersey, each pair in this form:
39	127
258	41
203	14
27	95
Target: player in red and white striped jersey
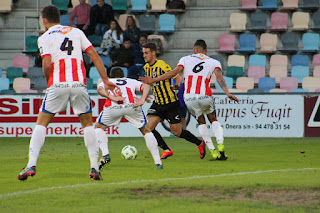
198	69
128	108
61	50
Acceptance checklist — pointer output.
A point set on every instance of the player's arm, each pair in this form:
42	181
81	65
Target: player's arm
178	82
223	85
170	74
145	88
46	66
105	93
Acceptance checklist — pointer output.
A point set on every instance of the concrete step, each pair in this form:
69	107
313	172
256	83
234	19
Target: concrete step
13	39
33	3
214	3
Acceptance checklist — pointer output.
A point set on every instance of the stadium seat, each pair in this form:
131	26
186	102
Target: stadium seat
20	84
234	72
123	20
256	73
125	71
279	21
61	4
5	6
275	90
300	60
238	22
311	83
219	58
258	21
34	73
279	60
94	75
119	5
167	23
14	72
290	42
89	83
95	40
310	42
266	83
158	6
300	90
288	83
4	84
159	41
29	91
21	61
278	72
138	6
309	5
268	43
229	83
247	43
227	43
300	72
255	90
106	60
289	5
317	90
64	19
300	21
316	21
316	60
236	60
248	5
269	5
257	60
31	44
147	23
316	71
41	85
75	3
0	72
245	83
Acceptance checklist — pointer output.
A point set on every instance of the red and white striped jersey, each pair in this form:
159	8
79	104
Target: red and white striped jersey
65	45
128	88
198	69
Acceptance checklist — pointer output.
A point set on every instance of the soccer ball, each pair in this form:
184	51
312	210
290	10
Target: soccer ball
129	152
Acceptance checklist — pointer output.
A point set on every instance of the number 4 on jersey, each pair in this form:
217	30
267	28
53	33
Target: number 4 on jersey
67	46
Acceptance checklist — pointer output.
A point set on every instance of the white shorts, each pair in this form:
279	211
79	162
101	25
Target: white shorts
199	104
59	94
111	116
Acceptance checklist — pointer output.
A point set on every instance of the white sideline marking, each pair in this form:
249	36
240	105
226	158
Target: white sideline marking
154	180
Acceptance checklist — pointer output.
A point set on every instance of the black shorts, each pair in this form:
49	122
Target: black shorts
169	112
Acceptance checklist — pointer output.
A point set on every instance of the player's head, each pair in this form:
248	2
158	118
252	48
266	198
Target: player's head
149	52
200	46
50	15
116	72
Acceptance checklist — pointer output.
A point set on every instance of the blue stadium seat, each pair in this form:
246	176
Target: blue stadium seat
138	6
4	84
229	82
14	72
299	72
300	60
31	44
266	84
106	60
257	60
95	40
64	20
316	21
269	5
300	90
167	23
310	42
89	83
309	5
119	4
61	4
147	23
247	43
41	84
94	74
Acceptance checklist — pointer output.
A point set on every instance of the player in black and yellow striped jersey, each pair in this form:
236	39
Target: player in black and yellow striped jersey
166	105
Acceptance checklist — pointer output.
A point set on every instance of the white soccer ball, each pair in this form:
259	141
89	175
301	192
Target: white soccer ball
129	152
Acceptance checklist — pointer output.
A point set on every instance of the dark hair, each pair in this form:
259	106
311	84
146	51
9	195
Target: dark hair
118	28
144	35
116	72
133	22
126	39
151	46
201	43
51	13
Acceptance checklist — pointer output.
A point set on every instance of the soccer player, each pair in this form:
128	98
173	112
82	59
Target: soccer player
197	70
127	108
166	104
61	51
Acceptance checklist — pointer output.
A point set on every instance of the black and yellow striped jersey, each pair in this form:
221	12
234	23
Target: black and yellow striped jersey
162	91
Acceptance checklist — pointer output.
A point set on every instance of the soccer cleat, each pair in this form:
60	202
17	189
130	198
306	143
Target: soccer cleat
166	154
103	160
202	149
222	152
159	166
95	174
26	172
215	154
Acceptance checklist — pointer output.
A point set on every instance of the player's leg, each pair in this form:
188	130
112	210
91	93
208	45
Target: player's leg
102	139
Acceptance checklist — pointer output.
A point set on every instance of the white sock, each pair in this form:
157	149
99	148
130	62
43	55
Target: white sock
102	141
218	131
152	145
36	142
90	140
205	134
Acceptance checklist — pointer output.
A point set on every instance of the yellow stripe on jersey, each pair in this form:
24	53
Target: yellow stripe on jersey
162	90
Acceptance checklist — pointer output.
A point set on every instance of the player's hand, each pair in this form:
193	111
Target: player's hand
146	79
175	87
232	97
138	102
148	99
113	87
116	98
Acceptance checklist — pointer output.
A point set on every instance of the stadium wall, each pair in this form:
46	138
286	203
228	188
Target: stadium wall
281	115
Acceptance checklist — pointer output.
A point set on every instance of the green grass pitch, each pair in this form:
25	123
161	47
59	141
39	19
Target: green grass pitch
261	175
